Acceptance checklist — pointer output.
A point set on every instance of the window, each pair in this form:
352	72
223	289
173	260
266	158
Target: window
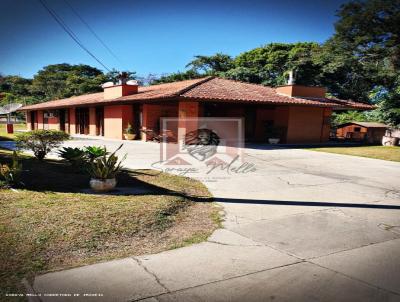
357	129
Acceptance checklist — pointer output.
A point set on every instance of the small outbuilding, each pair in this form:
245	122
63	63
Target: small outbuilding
369	132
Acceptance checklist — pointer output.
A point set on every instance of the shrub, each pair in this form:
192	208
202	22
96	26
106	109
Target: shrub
81	158
41	142
106	166
11	173
75	156
93	152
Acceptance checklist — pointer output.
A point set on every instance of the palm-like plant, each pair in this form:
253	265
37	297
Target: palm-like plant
106	166
71	154
93	152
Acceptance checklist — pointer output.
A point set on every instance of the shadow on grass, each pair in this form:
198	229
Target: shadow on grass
6	138
58	176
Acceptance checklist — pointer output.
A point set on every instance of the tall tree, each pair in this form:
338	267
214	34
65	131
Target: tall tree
65	80
211	64
270	64
364	54
177	76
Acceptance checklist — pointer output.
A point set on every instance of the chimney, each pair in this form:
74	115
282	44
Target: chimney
122	88
291	78
294	90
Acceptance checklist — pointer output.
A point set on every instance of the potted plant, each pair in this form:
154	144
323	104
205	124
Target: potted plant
274	134
103	171
129	133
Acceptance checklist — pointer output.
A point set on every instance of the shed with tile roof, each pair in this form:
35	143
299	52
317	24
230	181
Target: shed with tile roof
369	132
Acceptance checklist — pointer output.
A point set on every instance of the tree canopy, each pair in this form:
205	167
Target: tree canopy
54	82
361	61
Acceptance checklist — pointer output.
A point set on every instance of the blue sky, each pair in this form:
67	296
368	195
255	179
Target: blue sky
153	36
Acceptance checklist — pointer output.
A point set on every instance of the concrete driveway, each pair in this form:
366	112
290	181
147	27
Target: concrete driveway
306	226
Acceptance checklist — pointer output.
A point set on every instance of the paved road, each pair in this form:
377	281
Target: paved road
306	226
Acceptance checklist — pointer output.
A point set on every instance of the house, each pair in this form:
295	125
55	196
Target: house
368	132
302	112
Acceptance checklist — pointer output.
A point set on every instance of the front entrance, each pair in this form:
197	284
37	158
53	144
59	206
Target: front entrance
137	119
34	120
250	116
82	120
45	120
61	114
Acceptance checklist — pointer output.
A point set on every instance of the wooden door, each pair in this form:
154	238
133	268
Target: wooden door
82	120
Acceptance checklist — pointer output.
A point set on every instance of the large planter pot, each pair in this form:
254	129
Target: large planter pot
273	141
129	136
103	185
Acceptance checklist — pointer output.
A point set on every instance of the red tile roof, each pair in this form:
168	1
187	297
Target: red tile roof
204	89
365	124
228	90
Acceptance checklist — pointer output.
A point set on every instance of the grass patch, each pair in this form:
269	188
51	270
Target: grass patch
196	238
378	152
4	136
50	225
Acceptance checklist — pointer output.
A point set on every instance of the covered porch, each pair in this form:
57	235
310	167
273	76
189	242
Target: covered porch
291	124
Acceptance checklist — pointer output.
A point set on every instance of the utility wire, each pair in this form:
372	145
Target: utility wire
70	32
93	32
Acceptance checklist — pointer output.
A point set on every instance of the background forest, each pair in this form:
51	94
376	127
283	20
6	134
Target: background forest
361	61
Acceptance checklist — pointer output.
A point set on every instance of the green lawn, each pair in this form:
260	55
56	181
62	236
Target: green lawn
49	225
4	136
379	152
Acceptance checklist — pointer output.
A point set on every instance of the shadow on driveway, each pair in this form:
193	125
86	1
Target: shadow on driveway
307	203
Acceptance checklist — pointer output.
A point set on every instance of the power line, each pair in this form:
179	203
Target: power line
93	32
64	26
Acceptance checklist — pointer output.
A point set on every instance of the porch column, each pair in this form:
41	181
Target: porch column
145	122
187	110
92	121
326	124
151	114
72	121
116	118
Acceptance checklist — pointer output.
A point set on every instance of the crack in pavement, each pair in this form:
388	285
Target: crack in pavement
309	260
269	269
356	279
272	247
325	174
151	273
313	185
390	228
350	249
222	280
276	217
230	244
